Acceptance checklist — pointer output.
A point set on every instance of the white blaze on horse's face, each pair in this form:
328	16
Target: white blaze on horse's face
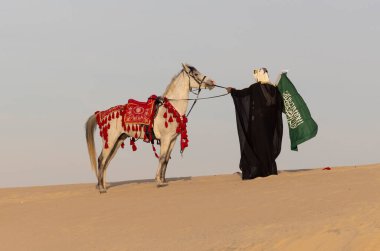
261	75
197	78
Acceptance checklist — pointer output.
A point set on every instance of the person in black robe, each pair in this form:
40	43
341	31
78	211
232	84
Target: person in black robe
259	122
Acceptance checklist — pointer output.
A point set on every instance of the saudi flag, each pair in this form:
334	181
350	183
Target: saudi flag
301	125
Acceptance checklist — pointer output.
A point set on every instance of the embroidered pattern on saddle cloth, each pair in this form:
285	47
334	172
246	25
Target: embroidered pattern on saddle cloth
139	112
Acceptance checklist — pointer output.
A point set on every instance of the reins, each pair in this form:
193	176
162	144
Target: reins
199	90
216	96
190	99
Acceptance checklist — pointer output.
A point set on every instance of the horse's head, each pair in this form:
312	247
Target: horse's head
196	79
261	75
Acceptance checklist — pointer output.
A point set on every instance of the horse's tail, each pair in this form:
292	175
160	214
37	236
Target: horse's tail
90	129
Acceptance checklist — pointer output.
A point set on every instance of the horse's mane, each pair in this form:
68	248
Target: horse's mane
171	82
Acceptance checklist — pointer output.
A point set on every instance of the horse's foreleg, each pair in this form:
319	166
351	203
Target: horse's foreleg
167	158
164	148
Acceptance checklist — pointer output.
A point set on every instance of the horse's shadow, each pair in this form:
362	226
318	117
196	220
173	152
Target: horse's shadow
122	183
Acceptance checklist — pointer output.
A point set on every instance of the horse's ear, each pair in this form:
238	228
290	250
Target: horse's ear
185	68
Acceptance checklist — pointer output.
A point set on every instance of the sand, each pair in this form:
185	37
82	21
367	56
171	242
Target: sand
299	210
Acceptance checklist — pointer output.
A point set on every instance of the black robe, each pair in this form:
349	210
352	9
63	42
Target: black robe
259	123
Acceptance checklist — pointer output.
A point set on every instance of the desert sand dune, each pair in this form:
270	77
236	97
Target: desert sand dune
317	209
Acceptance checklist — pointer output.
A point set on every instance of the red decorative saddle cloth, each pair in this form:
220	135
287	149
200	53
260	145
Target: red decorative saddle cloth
136	112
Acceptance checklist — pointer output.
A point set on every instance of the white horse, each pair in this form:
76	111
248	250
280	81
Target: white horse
177	93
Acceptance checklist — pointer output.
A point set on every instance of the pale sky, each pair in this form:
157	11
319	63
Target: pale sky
63	60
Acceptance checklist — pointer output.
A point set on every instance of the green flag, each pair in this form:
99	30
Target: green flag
301	125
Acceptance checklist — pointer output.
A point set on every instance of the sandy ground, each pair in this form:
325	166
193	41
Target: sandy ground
303	210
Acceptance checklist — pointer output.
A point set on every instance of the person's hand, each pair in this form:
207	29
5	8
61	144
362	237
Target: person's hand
229	89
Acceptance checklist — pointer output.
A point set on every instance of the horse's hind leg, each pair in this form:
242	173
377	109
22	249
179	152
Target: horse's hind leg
101	163
107	156
100	167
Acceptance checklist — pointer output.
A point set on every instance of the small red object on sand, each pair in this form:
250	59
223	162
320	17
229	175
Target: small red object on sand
327	168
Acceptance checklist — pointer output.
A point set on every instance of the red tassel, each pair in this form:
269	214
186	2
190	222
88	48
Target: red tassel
128	128
165	115
113	115
117	115
134	148
122	145
166	124
171	119
106	145
136	136
155	154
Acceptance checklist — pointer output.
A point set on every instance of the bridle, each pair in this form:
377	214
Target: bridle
190	75
200	82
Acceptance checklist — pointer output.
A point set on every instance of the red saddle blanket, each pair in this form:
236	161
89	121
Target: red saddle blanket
136	112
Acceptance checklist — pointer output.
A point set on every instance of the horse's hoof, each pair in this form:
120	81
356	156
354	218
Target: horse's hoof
102	191
162	184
